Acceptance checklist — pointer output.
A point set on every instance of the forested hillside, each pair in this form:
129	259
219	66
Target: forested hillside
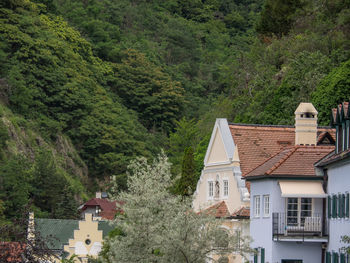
88	85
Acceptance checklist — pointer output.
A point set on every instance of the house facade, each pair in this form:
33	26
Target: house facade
336	170
288	220
234	150
101	207
65	237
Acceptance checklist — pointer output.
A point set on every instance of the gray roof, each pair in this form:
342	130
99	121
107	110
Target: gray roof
57	232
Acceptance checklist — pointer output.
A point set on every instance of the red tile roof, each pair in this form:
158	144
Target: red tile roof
242	213
293	161
256	143
218	210
331	158
11	251
108	208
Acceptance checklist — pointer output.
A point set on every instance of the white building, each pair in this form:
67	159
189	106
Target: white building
233	151
288	220
336	169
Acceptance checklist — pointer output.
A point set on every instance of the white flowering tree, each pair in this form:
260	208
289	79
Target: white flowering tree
159	227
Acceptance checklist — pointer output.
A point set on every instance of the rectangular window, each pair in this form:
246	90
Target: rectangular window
257	206
266	205
297	210
292	211
306	209
225	187
211	189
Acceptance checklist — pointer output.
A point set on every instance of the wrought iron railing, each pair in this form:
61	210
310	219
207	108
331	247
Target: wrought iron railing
310	225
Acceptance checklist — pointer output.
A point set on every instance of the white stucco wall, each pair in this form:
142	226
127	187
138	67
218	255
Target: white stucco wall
338	182
261	227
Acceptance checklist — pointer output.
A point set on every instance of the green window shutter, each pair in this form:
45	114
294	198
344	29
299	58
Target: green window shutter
343	201
335	257
339	206
329	206
334	206
328	257
342	258
256	256
262	258
347	205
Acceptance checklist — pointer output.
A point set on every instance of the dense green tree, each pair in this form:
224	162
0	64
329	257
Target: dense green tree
144	88
15	185
186	184
333	89
51	192
186	135
277	16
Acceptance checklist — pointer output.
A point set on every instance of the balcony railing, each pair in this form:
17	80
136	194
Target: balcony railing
286	226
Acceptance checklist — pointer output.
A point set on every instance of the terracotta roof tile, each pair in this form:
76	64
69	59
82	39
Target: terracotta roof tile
256	143
294	161
243	212
218	210
11	251
334	157
108	208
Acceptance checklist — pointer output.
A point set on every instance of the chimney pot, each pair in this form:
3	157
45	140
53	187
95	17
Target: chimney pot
305	124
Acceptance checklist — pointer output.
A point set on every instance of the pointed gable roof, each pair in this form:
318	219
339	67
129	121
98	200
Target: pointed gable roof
221	127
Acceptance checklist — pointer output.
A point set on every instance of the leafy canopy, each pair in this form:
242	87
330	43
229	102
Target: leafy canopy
160	227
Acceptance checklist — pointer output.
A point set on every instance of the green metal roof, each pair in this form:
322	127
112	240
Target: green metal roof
57	232
106	227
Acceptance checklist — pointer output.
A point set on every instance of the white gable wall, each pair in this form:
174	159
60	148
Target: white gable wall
217	153
221	163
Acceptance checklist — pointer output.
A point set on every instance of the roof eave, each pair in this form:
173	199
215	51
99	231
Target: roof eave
283	176
340	157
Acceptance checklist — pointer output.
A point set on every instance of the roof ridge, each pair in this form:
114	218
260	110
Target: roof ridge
261	125
273	125
272	156
56	219
278	164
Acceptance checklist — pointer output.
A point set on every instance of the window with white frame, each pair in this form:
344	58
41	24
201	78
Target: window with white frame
257	206
297	210
266	205
225	188
210	189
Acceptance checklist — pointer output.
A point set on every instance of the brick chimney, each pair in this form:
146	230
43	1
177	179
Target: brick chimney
305	124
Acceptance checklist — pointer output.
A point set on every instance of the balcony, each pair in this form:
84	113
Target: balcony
311	228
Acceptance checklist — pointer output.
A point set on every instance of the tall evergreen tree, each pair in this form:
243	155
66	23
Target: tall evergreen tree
186	184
